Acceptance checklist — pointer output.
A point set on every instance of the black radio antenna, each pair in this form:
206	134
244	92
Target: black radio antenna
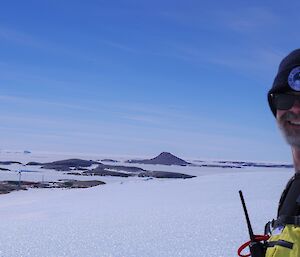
252	237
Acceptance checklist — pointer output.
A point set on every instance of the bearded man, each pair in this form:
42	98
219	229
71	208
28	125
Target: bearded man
284	101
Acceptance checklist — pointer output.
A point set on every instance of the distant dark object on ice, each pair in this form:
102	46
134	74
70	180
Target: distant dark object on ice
164	174
164	159
26	152
241	164
109	160
219	166
257	165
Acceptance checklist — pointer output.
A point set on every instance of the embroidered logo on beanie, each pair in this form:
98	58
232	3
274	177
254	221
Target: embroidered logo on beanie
294	79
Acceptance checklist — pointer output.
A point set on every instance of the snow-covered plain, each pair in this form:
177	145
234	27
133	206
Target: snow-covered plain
136	217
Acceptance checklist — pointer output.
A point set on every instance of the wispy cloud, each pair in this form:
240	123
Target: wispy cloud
196	17
255	59
20	38
117	113
252	60
248	19
119	46
28	40
241	19
38	102
142	118
119	120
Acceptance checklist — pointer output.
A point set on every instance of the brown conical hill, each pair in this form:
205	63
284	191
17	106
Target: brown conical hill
164	158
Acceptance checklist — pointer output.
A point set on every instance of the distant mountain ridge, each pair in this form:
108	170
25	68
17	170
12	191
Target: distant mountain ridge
163	158
78	165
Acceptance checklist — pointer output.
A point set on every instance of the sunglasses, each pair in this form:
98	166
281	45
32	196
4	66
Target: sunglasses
284	101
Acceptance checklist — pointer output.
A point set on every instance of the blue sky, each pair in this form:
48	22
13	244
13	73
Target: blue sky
140	77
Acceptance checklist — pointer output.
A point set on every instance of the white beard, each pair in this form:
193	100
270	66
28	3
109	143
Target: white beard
291	136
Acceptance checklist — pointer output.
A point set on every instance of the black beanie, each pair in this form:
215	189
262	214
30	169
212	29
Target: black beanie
280	84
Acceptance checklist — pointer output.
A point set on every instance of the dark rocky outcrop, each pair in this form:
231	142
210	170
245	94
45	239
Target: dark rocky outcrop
82	169
56	167
81	165
74	173
164	174
65	165
9	162
100	171
164	159
109	160
77	184
34	164
122	168
106	173
9	186
72	166
4	169
71	163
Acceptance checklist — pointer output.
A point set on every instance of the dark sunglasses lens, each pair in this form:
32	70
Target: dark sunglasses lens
284	101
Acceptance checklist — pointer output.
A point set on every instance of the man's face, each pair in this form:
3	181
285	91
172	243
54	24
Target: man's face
289	122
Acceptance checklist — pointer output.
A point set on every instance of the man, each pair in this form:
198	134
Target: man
284	101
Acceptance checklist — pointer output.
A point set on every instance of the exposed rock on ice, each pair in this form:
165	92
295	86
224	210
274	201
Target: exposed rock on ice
12	185
109	160
164	158
9	162
4	169
100	171
64	165
164	174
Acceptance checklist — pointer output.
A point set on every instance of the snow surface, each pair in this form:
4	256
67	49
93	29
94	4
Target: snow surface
135	217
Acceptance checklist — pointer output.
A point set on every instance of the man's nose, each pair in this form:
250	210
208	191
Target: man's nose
296	106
